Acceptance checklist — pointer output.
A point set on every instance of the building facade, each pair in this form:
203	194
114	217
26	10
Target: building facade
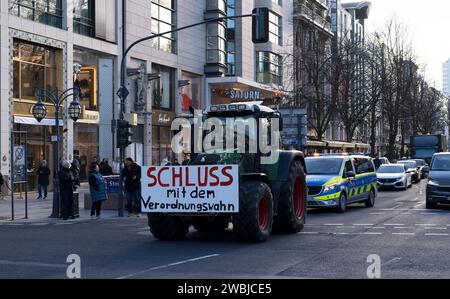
446	78
40	43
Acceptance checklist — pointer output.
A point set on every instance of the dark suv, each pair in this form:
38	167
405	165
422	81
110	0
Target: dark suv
438	187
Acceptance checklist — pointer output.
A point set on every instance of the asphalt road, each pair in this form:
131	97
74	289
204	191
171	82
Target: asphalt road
410	241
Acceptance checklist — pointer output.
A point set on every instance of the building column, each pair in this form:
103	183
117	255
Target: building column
5	103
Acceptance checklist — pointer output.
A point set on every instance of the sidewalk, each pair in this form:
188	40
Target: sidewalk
40	210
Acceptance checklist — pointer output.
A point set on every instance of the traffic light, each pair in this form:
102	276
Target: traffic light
260	25
123	134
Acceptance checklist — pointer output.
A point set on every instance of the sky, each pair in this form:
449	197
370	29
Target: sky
429	25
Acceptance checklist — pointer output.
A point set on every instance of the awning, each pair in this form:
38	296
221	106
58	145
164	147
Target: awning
33	122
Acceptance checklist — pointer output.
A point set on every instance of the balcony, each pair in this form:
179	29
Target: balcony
306	12
49	14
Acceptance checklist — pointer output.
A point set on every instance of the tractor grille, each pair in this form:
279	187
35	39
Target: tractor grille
314	190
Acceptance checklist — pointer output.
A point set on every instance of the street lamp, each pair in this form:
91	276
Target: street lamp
57	99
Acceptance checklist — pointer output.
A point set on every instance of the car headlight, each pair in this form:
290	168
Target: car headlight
432	182
330	187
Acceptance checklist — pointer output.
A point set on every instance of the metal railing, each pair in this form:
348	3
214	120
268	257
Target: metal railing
46	14
83	25
307	12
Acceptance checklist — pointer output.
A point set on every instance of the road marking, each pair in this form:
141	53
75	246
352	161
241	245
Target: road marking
363	224
371	234
436	228
425	224
403	227
403	234
345	227
437	235
394	208
394	224
345	234
378	227
169	265
391	261
333	224
32	264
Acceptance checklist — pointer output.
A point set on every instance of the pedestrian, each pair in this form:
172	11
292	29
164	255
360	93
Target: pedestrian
43	180
106	169
166	162
97	186
66	183
2	183
176	163
186	160
75	169
132	175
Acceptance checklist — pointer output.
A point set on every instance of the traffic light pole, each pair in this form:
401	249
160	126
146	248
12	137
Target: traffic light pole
123	91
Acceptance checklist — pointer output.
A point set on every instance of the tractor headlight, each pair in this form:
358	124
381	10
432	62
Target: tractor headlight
330	187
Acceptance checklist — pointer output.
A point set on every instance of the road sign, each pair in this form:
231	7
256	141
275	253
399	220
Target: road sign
20	164
123	92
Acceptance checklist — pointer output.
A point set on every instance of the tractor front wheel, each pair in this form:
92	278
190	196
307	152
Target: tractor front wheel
254	221
292	205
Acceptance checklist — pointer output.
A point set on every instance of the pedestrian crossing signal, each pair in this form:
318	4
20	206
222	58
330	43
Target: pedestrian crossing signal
124	134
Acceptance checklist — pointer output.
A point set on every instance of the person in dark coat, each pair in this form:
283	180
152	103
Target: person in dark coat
43	174
75	169
66	183
106	169
132	176
98	190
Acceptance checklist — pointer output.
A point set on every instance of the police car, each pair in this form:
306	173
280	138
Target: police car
337	181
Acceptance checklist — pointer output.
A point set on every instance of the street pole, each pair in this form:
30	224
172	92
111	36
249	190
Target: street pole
56	199
123	92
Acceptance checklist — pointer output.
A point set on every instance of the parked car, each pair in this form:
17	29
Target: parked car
413	169
438	187
394	176
424	169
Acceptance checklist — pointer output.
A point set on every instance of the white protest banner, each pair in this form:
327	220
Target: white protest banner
210	189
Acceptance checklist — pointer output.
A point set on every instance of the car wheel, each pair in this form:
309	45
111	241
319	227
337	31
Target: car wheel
342	207
370	202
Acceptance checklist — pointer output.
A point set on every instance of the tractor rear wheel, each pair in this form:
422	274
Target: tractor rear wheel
168	228
215	225
254	221
292	206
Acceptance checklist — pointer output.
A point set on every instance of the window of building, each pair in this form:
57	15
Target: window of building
230	37
220	5
275	28
216	43
268	68
163	20
34	67
162	89
279	2
84	17
48	12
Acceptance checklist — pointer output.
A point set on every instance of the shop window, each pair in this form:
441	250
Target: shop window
34	67
162	89
88	84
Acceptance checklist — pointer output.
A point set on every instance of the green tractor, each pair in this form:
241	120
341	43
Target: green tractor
272	197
